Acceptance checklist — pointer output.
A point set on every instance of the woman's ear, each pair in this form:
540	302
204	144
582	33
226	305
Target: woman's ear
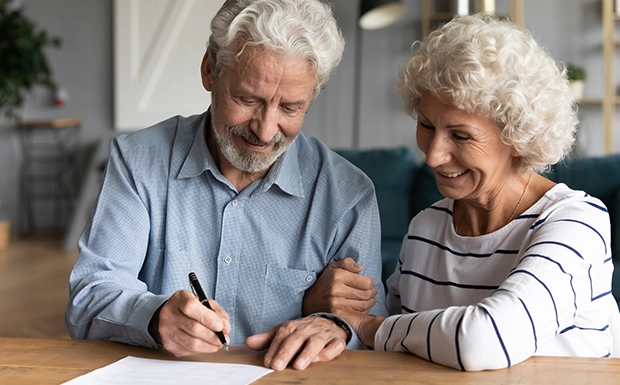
207	71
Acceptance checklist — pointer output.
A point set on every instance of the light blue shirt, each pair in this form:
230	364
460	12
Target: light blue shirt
165	210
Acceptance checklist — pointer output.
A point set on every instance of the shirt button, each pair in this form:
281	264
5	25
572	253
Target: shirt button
234	203
309	278
228	259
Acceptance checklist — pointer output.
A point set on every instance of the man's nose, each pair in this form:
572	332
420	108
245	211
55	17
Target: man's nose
265	124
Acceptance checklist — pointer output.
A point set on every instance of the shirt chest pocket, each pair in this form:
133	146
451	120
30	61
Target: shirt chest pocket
284	294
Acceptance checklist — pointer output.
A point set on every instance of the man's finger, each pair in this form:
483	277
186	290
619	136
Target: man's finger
215	319
187	327
304	338
284	344
260	341
332	350
188	337
319	348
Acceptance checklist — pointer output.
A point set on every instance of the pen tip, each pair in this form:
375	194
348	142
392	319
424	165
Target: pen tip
226	347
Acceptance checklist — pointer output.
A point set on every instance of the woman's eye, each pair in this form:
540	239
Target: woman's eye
461	137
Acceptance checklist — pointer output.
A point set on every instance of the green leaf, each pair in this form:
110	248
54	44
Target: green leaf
23	63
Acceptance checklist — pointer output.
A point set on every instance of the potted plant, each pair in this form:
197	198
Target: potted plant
577	76
23	63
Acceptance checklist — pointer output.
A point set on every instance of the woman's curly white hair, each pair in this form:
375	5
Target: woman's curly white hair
491	67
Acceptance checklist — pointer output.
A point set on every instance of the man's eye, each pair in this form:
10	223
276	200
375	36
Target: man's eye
426	126
289	109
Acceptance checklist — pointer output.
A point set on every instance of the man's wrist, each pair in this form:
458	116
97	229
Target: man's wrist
339	322
153	327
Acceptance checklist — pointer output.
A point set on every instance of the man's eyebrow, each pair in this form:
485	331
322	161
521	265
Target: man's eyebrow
295	103
421	113
239	91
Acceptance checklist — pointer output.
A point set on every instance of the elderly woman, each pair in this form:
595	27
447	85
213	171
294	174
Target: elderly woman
509	264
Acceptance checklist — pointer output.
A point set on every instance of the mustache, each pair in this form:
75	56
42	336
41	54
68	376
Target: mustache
249	135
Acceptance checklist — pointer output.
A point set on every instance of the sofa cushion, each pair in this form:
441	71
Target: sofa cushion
615	282
425	191
393	173
614	214
588	174
599	177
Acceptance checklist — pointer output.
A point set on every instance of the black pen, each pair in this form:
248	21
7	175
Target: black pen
193	280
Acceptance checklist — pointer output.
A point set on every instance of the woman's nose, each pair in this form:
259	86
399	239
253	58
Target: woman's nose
438	151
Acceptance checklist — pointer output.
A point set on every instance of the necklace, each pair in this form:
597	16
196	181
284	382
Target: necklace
529	178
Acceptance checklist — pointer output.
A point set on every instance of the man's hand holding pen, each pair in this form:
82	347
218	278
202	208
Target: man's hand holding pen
189	323
186	327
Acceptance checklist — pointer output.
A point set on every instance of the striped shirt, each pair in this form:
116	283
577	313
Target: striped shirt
541	285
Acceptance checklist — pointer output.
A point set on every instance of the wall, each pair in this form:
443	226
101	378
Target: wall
83	65
570	29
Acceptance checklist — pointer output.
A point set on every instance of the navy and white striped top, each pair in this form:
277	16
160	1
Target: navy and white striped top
541	285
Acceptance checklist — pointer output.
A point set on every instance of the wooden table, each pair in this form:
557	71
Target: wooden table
47	361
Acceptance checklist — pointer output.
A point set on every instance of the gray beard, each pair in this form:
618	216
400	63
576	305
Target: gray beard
244	159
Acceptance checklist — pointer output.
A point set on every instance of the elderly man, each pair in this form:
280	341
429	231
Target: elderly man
242	198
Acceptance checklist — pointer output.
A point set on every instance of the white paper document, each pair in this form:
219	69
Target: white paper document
135	371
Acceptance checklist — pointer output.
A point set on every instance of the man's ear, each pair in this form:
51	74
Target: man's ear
207	71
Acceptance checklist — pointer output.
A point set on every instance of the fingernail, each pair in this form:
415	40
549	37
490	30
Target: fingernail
316	359
278	365
268	362
301	363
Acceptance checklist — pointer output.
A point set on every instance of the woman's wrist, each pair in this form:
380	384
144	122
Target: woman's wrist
368	329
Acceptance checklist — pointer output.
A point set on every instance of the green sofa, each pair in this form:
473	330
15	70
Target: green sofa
405	185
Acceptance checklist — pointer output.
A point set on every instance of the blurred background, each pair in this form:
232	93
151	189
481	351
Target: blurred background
119	66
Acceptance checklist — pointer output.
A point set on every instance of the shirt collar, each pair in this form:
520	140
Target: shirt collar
198	158
285	172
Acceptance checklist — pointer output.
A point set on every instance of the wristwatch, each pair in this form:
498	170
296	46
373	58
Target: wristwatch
338	321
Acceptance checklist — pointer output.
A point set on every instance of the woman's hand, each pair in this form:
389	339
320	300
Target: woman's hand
340	286
365	325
